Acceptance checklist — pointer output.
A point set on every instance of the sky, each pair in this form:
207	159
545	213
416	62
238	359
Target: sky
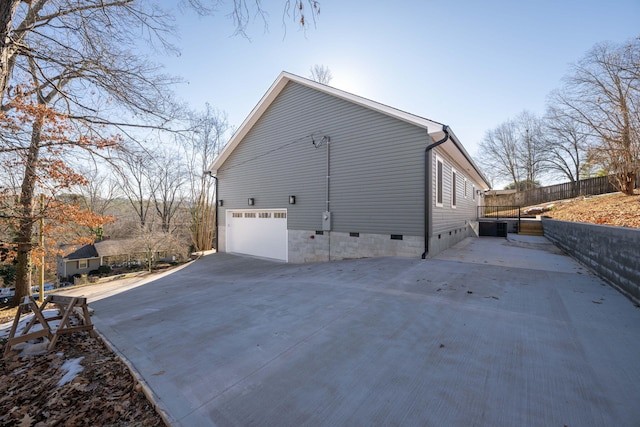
468	64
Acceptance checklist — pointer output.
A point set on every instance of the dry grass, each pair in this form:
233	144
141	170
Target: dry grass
609	209
7	314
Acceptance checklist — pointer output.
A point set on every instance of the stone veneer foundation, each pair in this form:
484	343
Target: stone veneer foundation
309	246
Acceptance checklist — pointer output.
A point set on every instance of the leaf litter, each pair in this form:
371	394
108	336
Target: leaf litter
79	383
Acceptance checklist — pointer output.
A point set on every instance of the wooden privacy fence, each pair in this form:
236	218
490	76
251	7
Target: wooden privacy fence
567	190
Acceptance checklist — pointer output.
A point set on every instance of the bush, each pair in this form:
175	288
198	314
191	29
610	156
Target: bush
104	269
8	274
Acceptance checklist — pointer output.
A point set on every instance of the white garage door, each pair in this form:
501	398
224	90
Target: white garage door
256	232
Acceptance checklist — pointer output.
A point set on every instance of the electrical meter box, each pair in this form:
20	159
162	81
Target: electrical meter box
326	221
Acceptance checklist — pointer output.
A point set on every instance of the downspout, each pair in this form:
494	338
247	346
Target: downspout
427	186
215	224
326	138
328	194
215	192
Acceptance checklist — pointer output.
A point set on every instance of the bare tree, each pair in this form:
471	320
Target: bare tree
170	179
7	11
135	181
99	192
208	136
515	151
499	152
603	94
531	148
567	142
77	60
23	21
155	244
40	139
71	63
321	74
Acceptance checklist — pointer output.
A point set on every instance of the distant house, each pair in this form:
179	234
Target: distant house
114	253
81	261
315	173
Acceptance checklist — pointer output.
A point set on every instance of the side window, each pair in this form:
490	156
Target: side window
473	192
465	188
439	173
82	264
454	187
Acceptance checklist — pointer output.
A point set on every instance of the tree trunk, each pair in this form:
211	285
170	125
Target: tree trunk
203	220
625	182
7	10
27	220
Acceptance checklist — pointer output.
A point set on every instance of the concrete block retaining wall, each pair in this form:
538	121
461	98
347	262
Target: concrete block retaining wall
612	252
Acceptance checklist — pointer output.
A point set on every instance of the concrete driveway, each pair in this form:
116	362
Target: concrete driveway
491	333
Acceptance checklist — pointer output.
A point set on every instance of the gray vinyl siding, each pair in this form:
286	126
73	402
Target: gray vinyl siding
447	218
377	165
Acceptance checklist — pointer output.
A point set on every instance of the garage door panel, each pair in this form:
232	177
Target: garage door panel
261	233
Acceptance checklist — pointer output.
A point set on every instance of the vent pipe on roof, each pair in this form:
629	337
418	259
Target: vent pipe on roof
428	186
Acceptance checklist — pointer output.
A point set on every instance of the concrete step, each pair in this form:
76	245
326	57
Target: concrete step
531	228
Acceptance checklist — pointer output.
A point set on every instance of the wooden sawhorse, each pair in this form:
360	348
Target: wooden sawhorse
66	306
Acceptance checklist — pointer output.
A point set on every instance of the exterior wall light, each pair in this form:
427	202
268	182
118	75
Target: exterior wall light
292	200
220	203
250	201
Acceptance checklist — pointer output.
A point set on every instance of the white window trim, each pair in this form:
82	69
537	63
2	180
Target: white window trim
473	192
439	189
454	189
81	261
465	188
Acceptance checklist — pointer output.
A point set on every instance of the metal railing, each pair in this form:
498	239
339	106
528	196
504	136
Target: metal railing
499	212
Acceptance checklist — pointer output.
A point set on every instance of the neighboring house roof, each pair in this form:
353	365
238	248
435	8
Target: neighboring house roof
101	249
434	129
84	252
114	247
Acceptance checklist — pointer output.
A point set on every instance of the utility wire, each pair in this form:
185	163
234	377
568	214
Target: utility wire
273	150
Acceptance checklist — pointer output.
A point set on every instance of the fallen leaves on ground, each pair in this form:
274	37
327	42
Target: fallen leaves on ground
609	209
103	393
